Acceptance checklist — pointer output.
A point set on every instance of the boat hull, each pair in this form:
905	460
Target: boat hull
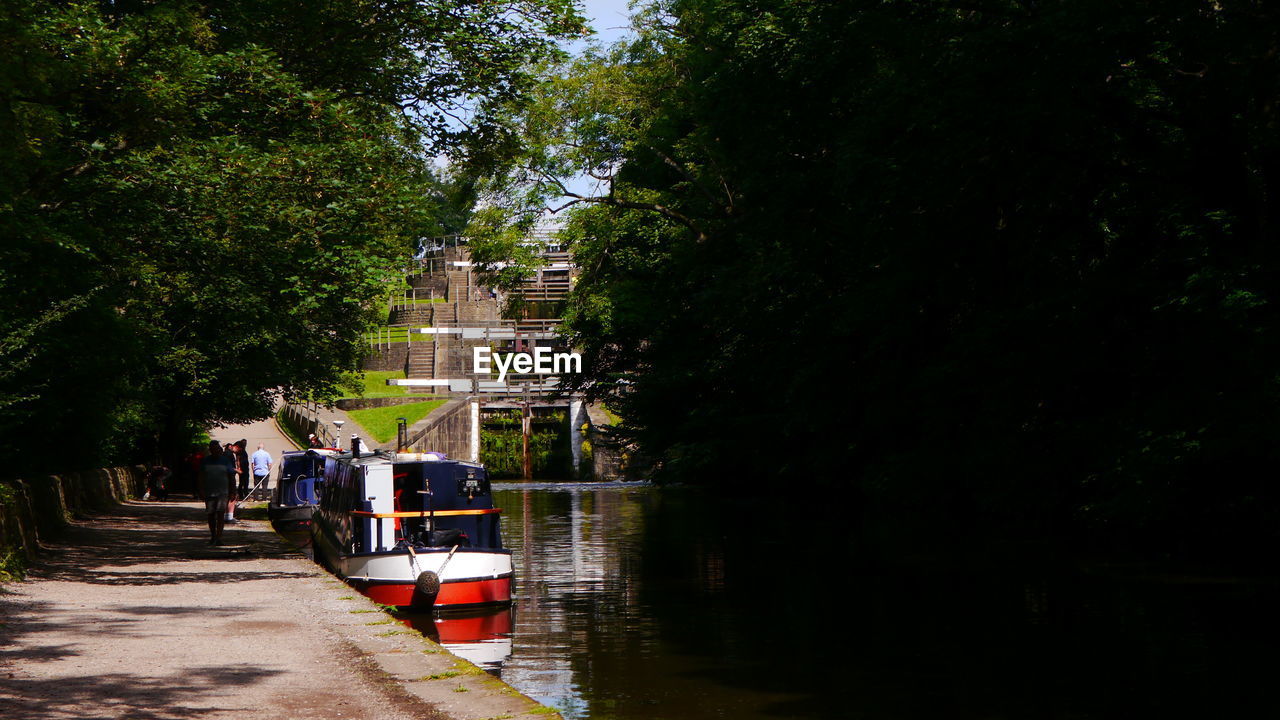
453	593
289	513
469	577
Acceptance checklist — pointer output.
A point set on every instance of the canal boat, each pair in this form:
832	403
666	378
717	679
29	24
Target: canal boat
412	530
298	486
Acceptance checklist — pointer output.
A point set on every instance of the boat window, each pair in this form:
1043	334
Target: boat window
296	465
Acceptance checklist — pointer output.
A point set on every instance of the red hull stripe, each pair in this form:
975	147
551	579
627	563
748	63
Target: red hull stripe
468	592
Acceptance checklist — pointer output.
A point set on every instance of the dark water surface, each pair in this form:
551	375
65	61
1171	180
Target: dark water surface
639	603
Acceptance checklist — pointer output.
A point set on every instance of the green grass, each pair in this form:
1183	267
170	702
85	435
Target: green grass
419	301
375	384
381	422
294	434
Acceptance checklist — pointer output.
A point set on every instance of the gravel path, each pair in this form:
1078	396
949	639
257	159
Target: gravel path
133	615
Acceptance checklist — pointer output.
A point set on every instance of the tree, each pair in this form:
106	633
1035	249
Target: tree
984	262
203	205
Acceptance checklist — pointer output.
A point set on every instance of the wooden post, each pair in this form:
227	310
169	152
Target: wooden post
526	425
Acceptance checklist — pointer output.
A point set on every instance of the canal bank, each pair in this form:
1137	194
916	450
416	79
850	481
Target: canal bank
132	614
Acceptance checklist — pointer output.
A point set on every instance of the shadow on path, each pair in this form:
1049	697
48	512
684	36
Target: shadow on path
104	629
191	694
138	533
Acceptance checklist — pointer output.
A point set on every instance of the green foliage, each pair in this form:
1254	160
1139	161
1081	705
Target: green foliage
382	422
204	205
13	565
502	445
1004	263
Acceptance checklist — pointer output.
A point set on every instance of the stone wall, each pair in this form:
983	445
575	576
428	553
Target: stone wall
394	358
608	453
32	510
426	283
456	356
405	315
447	430
366	403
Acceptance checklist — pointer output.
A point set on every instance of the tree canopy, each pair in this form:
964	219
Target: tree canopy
996	260
202	203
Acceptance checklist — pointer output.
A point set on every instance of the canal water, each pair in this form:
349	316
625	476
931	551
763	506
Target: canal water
640	604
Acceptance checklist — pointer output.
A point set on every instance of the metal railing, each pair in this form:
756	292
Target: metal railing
415	298
385	337
305	418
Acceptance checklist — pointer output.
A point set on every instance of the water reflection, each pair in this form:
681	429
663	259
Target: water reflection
481	636
640	604
575	547
635	603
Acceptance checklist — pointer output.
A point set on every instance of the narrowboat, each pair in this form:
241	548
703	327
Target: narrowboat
297	491
412	530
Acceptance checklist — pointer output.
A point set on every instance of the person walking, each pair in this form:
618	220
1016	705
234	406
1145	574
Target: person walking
213	485
261	463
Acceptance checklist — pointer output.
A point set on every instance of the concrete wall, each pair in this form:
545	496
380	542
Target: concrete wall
448	429
39	508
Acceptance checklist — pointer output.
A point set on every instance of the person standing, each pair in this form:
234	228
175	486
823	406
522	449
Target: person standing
242	464
261	463
213	484
158	482
191	469
237	472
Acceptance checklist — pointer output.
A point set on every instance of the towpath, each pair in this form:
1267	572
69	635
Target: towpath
133	615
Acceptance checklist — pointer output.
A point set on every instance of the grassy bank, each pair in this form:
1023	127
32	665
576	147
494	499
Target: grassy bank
373	384
381	422
290	430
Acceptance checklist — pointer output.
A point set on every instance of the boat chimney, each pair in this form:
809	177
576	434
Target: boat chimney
355	445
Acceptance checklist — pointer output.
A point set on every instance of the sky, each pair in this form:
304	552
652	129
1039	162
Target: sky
608	17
